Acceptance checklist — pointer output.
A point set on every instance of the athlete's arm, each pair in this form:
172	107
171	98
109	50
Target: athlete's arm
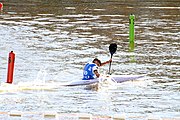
106	62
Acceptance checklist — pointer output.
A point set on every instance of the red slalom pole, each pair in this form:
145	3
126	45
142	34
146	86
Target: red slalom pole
11	61
1	6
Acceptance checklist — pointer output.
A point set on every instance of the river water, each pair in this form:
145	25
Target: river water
54	39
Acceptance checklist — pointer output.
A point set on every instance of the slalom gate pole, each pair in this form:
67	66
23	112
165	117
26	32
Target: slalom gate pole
131	32
1	6
10	72
131	28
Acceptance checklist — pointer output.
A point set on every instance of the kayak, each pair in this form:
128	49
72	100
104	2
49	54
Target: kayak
114	78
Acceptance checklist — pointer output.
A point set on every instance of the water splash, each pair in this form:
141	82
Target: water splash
105	83
40	79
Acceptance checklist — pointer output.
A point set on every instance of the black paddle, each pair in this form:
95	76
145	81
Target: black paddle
112	50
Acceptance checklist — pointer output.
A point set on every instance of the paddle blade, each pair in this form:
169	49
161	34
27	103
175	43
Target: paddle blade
112	48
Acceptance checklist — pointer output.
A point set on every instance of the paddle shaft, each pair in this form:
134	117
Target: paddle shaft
110	65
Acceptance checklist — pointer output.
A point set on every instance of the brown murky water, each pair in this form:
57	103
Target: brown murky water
59	36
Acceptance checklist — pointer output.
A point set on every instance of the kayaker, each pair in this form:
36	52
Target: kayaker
91	69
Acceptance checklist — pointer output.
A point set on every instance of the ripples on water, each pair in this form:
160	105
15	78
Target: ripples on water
61	36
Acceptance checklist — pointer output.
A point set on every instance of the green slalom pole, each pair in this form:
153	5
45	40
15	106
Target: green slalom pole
131	32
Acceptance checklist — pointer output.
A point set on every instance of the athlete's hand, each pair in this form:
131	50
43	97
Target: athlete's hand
96	73
110	60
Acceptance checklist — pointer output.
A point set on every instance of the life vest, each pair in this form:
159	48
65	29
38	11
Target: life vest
88	72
